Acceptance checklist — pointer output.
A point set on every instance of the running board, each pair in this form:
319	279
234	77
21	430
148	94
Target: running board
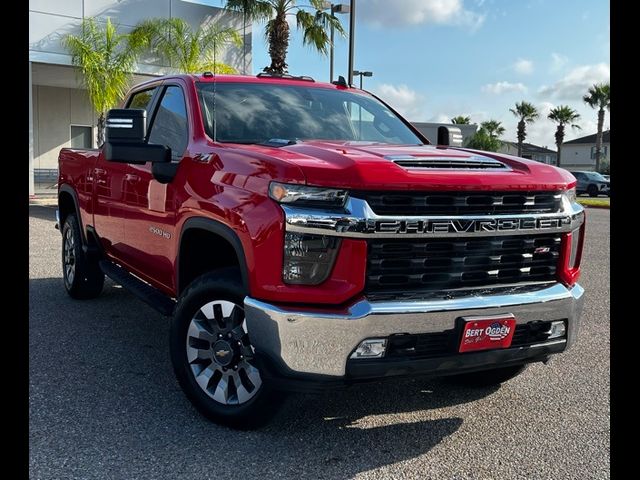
148	294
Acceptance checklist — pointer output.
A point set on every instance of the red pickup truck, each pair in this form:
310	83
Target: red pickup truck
304	236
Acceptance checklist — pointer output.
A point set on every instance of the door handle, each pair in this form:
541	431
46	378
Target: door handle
99	171
132	178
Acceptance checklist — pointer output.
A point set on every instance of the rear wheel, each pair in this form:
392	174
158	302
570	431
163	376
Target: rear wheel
487	378
82	276
212	354
592	190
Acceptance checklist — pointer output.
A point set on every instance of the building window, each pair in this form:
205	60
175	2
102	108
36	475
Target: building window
81	136
604	150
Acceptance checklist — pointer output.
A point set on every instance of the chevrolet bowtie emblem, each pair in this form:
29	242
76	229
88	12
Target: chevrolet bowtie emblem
222	353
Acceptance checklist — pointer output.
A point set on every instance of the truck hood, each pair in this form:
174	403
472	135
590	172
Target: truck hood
371	166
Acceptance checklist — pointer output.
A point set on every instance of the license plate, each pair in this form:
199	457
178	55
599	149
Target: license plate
485	333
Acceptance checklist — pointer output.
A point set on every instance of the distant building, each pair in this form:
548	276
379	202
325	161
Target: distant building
60	114
531	151
430	130
580	153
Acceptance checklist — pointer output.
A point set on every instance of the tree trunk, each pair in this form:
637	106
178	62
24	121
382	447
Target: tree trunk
599	137
522	134
101	126
278	44
559	140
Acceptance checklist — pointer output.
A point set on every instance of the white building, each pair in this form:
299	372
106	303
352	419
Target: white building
580	153
531	151
60	114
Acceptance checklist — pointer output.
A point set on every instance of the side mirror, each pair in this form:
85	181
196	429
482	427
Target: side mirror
449	136
125	139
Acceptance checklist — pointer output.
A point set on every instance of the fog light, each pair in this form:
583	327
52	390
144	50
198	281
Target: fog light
557	329
371	348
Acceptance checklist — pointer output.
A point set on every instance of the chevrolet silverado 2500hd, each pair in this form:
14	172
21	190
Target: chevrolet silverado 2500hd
304	235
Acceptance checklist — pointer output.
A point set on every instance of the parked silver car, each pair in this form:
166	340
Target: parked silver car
592	183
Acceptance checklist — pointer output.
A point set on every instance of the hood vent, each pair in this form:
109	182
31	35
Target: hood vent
475	162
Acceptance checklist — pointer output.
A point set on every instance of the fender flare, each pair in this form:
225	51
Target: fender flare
66	188
223	231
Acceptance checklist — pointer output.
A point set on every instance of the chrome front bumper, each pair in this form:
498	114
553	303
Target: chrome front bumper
316	341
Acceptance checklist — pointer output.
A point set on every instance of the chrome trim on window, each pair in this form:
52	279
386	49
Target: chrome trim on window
358	220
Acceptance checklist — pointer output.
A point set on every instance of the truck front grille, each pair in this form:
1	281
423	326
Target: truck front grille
417	265
460	203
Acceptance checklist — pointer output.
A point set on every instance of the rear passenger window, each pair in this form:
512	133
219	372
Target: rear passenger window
170	123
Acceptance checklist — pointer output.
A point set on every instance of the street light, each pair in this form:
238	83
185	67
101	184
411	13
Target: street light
339	8
362	74
335	8
352	31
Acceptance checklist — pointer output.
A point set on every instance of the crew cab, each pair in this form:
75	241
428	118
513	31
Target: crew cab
303	236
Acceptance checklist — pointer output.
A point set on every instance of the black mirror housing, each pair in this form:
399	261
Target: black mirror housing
449	136
126	125
125	139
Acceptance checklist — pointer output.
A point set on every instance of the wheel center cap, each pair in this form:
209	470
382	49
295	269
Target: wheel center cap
223	353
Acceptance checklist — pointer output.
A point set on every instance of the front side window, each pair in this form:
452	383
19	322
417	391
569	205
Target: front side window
596	177
257	113
170	123
141	99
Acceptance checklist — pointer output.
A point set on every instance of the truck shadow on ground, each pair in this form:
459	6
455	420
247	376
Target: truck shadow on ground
113	388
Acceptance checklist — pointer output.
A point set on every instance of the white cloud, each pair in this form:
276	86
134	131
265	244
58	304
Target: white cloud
499	88
523	66
558	61
409	103
415	12
576	83
441	118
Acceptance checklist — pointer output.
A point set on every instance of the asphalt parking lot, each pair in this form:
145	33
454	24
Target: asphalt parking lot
104	402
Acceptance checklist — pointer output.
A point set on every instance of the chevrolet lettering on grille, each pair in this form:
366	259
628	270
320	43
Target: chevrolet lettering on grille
465	226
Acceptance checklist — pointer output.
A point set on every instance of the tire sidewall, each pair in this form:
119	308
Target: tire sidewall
223	286
88	279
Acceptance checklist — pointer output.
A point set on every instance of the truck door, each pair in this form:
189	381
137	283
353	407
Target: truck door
150	225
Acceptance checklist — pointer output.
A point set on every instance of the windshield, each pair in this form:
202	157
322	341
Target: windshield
258	113
596	176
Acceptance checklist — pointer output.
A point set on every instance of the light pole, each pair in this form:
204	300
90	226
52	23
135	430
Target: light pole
339	8
352	28
362	74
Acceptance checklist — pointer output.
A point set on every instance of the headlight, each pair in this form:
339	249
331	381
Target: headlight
308	259
306	196
570	195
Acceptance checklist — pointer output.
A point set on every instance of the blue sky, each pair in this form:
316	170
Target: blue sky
434	59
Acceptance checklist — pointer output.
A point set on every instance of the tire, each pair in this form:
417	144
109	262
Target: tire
81	275
208	338
487	378
592	190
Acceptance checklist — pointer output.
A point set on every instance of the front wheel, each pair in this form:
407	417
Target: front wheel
592	191
212	356
82	276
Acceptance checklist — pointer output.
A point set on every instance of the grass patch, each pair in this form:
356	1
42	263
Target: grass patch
595	202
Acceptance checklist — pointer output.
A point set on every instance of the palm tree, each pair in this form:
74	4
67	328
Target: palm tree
493	128
483	140
563	115
313	25
598	97
527	113
187	49
105	59
461	120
